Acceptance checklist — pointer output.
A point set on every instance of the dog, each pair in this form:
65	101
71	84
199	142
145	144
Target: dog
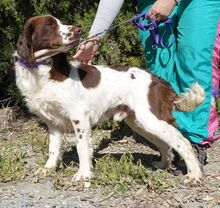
68	95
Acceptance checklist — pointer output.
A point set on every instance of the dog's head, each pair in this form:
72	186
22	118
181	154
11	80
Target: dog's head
45	36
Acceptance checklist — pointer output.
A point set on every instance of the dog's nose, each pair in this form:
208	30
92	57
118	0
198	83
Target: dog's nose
76	30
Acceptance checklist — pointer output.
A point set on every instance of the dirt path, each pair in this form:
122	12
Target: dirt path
29	192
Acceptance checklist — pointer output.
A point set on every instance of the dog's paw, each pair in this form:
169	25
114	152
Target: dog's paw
51	164
189	180
80	175
82	179
41	172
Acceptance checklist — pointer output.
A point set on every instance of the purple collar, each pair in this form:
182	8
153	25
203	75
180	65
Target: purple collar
31	65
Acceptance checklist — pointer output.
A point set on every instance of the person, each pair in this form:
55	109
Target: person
195	56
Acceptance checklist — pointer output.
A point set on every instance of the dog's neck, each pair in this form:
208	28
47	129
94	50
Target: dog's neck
33	65
60	69
31	80
59	66
55	61
36	64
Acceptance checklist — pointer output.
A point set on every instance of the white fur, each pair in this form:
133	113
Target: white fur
68	105
189	100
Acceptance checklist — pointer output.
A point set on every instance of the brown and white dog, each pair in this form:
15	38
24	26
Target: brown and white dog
74	96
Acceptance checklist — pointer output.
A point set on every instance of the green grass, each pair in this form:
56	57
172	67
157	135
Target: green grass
62	179
12	162
28	141
124	174
111	174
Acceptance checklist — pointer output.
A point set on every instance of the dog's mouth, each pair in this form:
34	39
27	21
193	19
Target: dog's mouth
54	49
68	45
73	43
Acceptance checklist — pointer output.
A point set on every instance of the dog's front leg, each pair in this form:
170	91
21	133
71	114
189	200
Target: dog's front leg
55	150
84	148
55	146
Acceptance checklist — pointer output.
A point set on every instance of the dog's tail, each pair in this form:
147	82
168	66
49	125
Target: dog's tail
188	101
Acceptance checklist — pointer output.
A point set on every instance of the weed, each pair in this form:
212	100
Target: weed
40	146
124	174
12	162
37	139
63	178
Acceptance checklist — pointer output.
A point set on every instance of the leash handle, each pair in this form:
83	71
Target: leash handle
157	40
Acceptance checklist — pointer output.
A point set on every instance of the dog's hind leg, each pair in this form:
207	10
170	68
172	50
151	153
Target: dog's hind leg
166	154
84	148
172	137
163	148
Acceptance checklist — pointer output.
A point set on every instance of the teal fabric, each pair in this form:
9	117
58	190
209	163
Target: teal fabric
188	60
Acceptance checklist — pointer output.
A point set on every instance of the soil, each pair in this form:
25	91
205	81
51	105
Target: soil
30	193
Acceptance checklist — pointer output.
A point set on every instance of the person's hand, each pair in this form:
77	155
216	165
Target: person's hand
161	9
87	50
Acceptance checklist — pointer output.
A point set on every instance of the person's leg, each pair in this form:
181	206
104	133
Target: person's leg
188	61
213	118
196	34
192	59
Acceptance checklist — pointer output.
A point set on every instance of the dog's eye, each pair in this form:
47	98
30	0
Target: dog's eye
50	24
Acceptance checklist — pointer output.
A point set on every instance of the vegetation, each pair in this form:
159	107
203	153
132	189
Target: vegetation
123	174
22	155
119	47
11	163
28	141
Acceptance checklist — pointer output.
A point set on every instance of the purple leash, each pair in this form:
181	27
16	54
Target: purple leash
153	29
141	21
126	21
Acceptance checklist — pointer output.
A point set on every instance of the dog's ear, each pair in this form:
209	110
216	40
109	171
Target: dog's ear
24	43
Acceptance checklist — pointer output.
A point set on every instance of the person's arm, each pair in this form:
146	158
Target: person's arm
106	13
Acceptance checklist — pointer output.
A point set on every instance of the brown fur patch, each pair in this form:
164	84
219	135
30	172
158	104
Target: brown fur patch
161	97
60	70
89	76
45	35
76	122
132	76
122	109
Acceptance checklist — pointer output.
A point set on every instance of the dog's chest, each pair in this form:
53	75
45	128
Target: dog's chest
43	97
31	81
51	109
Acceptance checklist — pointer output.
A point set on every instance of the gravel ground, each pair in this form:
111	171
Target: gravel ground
29	193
